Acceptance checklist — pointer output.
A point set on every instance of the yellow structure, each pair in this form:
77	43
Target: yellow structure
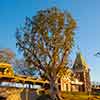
8	78
6	69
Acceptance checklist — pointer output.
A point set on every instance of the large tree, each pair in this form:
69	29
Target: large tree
46	41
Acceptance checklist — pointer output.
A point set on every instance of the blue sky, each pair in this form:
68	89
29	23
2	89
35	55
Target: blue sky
86	13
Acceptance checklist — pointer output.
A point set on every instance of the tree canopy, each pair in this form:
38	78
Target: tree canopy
46	40
6	55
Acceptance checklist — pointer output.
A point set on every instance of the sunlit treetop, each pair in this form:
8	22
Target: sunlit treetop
46	39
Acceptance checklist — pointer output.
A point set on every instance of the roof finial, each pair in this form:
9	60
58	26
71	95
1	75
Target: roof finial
78	48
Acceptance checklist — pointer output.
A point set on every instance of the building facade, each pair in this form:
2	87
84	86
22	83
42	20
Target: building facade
81	80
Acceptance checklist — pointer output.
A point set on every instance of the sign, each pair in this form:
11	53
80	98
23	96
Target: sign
19	85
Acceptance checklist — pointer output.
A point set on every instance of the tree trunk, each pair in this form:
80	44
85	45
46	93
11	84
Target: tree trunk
54	90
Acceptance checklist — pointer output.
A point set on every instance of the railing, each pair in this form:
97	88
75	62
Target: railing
8	78
21	82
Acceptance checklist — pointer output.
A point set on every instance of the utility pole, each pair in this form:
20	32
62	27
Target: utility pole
27	94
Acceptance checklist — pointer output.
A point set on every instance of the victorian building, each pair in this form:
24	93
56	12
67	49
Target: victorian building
81	81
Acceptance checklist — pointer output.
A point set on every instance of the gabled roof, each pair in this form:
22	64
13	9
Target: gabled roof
80	62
